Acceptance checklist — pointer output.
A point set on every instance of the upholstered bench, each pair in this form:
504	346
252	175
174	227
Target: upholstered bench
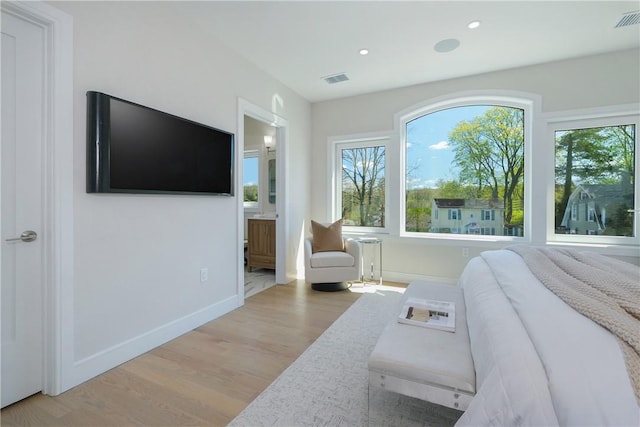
425	363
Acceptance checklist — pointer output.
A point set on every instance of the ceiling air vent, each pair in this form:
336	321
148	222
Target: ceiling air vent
336	78
630	18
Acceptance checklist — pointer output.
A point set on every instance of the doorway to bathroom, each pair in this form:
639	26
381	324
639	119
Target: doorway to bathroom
259	203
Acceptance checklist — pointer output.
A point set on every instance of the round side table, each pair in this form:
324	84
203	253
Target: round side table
366	241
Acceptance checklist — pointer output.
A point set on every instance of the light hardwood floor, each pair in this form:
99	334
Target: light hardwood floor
203	378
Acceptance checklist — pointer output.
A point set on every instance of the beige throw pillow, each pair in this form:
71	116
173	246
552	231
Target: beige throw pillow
327	238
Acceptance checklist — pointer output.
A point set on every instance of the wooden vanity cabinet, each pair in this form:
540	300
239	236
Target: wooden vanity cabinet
262	244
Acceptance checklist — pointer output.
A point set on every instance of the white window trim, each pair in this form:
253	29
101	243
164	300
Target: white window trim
334	202
454	214
580	119
490	213
528	102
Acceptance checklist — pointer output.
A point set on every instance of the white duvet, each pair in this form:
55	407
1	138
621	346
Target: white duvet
538	362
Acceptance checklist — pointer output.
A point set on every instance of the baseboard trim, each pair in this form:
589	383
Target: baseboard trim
98	363
396	276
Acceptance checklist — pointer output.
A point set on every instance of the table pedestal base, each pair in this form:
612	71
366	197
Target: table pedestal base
330	287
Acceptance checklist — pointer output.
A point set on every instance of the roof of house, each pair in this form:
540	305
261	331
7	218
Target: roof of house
470	203
602	195
605	192
449	203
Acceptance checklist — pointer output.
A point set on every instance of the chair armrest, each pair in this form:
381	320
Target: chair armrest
307	252
353	248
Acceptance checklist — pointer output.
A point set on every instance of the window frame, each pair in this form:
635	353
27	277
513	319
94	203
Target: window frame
584	119
454	214
336	145
527	102
591	212
490	213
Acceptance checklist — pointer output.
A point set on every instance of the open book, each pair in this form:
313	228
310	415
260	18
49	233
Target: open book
429	314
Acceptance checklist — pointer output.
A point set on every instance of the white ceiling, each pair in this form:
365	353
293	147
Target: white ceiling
300	42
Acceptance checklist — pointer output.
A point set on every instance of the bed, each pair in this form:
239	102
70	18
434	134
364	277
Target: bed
538	361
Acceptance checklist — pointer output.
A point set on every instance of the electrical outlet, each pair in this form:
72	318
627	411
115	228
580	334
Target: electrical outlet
465	252
204	275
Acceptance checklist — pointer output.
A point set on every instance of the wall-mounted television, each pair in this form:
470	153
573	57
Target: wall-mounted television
136	149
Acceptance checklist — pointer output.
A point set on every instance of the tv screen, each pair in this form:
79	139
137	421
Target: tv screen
136	149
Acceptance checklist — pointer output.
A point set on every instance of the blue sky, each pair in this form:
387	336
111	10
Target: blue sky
250	170
429	152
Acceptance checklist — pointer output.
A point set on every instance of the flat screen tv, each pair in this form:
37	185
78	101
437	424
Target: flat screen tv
136	149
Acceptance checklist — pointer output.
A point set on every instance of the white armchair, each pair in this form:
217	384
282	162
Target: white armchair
328	271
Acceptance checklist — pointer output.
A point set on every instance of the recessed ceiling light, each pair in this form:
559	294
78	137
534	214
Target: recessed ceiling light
446	45
364	51
473	25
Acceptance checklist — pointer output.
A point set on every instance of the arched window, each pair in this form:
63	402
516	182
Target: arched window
464	168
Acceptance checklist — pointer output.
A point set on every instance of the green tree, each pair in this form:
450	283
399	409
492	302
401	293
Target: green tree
363	185
622	222
489	150
251	193
582	155
621	140
456	189
418	209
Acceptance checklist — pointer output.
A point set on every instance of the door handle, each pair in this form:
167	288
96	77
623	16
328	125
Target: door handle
26	236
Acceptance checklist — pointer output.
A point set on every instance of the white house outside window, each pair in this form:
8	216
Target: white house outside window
595	178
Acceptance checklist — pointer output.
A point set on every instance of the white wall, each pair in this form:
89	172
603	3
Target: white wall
137	257
590	82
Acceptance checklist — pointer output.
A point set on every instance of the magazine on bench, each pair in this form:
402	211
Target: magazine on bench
429	314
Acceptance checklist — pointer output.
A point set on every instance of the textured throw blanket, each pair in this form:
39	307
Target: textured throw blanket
601	288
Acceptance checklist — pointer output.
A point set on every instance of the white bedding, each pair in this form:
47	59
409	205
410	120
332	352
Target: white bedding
538	362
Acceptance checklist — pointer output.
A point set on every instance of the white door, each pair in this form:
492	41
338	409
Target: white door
21	208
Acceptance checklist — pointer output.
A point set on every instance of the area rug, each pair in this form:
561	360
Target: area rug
328	384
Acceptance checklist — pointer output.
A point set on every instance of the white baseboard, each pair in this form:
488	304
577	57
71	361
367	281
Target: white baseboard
101	362
395	276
